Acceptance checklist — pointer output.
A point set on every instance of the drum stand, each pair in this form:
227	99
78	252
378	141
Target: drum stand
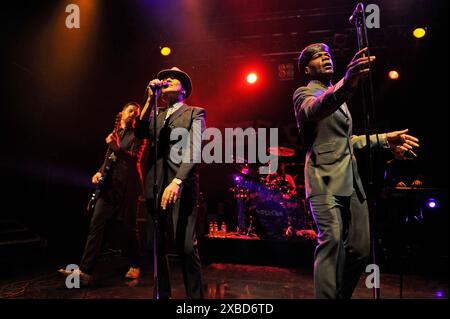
250	229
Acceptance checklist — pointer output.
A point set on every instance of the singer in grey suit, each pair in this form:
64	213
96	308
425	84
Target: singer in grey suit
177	179
333	185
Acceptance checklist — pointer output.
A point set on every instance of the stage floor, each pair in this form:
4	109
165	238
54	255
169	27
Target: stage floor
221	281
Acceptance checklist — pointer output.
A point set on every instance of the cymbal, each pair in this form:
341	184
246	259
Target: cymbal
281	151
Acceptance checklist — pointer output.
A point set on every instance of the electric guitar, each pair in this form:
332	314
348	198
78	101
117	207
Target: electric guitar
110	160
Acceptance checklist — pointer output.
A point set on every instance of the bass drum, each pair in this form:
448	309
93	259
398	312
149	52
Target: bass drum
273	213
270	219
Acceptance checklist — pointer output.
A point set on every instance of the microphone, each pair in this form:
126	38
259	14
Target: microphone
161	85
358	10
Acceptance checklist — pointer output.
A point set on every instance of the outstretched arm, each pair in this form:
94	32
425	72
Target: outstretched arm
398	141
309	107
359	141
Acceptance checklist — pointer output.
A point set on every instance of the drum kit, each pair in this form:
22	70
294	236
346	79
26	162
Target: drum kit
271	206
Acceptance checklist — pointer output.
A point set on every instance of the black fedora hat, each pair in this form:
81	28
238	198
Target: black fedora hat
180	75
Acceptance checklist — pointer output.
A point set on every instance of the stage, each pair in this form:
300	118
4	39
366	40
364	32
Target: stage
258	279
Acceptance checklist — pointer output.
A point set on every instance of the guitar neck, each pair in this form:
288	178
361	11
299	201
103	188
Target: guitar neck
117	124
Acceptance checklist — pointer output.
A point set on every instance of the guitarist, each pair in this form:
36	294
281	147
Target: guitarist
119	194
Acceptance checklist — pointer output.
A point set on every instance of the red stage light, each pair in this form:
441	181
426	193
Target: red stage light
252	78
393	75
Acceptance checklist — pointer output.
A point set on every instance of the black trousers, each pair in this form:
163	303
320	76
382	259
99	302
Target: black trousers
186	245
104	212
343	244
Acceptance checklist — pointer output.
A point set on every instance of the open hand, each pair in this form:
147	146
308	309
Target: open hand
400	141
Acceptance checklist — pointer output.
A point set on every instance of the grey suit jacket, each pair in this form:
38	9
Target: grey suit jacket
167	168
325	127
192	119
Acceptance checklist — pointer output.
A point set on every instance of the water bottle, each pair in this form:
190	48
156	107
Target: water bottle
215	229
211	229
223	228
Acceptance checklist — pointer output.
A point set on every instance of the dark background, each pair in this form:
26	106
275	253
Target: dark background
61	88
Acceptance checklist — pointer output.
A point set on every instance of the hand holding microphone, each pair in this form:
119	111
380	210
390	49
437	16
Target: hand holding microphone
154	86
157	84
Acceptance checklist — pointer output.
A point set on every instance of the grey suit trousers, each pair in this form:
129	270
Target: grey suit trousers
343	244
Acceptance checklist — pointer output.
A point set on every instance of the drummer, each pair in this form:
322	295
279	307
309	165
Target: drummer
281	180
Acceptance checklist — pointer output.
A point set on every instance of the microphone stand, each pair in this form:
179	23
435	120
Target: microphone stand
156	94
359	20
